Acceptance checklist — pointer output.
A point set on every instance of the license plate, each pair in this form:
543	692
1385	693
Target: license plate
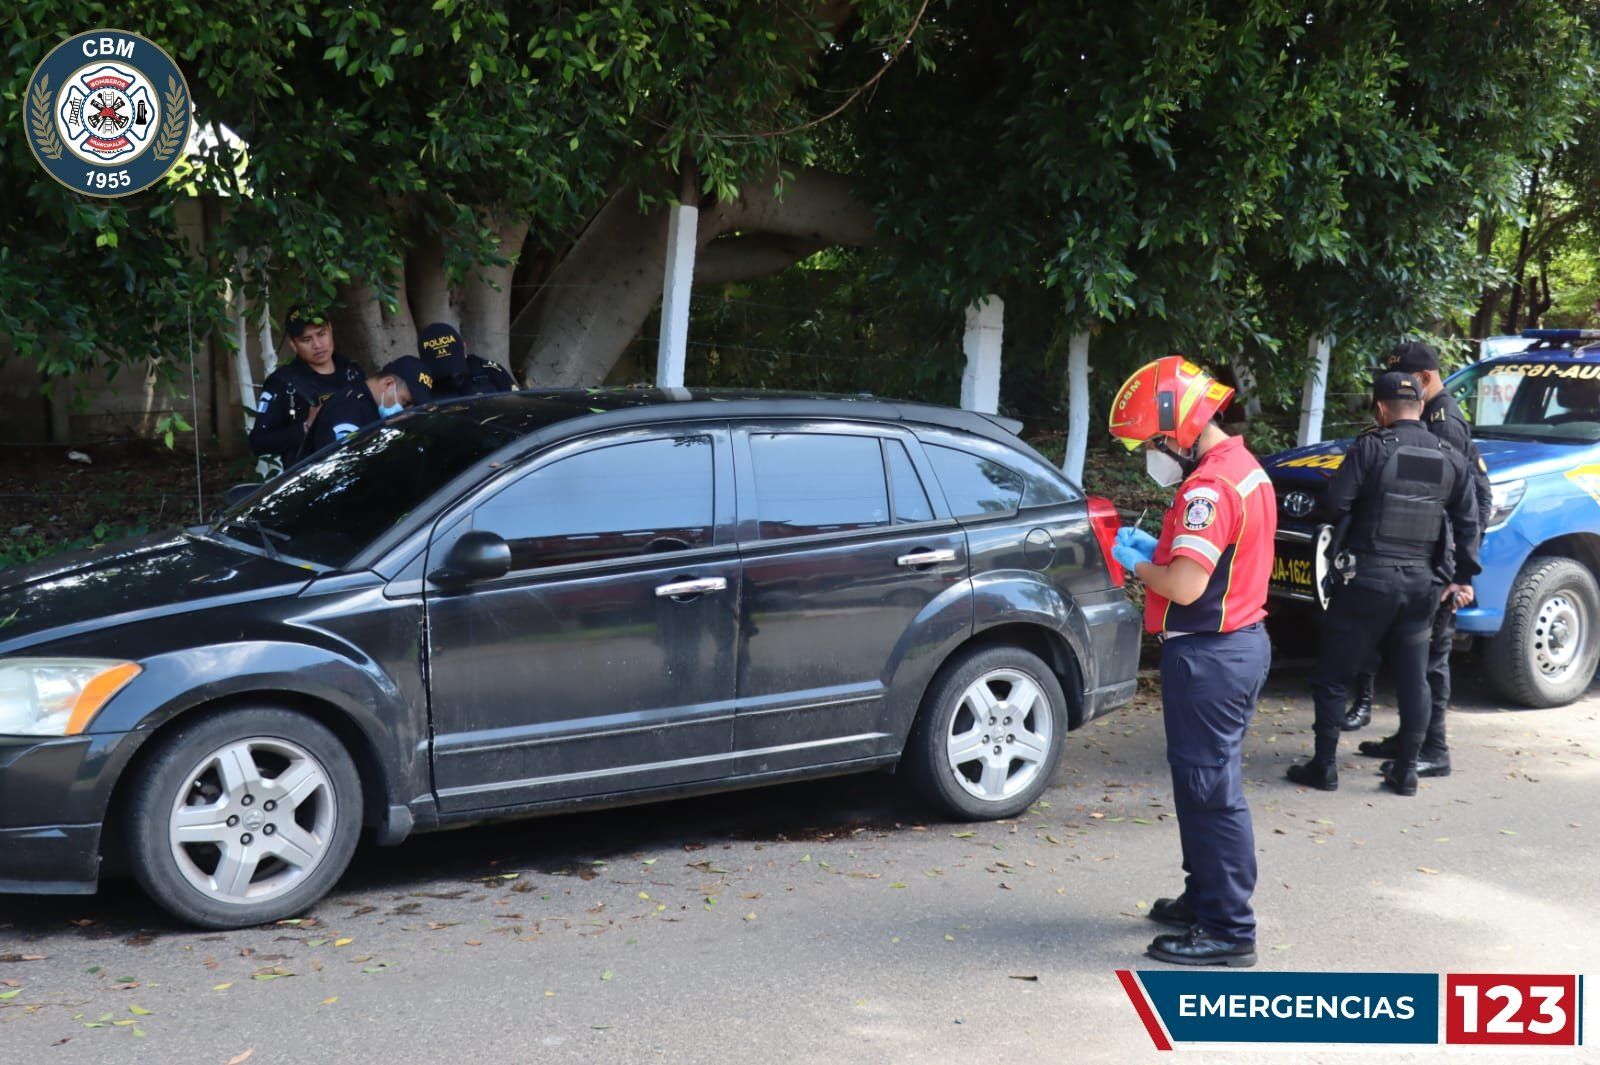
1300	565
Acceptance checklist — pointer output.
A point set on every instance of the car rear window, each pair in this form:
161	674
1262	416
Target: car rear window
809	483
975	487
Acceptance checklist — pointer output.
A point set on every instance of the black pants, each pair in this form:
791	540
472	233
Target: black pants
1389	606
1210	683
1435	747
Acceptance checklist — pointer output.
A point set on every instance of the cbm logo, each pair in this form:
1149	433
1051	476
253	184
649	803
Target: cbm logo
107	113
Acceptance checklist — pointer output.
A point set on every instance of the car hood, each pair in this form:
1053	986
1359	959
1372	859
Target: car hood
132	580
1314	464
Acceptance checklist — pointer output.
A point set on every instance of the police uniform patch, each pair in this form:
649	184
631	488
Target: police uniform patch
266	401
1199	514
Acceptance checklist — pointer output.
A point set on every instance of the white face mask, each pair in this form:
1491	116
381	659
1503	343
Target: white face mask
1163	469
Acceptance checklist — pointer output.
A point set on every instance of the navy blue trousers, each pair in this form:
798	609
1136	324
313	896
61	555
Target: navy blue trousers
1209	686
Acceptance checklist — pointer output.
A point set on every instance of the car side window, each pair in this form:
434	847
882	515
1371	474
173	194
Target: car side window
808	483
905	487
641	497
975	487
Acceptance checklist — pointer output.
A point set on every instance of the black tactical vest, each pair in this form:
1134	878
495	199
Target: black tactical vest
1402	514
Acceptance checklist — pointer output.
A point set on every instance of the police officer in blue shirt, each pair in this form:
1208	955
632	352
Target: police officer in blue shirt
1414	534
455	373
293	394
400	384
1443	418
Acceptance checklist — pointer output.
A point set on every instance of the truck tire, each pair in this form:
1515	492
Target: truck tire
1549	643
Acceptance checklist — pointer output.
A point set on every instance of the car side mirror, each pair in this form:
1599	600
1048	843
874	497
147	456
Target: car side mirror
475	556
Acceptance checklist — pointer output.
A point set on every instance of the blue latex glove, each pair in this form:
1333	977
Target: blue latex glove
1128	556
1137	539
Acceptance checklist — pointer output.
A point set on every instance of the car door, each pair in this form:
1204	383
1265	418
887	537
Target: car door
843	552
603	660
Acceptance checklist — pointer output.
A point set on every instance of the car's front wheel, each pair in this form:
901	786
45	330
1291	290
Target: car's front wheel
245	817
989	734
1548	645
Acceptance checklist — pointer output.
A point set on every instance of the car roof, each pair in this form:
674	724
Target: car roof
587	409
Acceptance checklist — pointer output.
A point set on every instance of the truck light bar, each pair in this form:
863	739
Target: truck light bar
1561	334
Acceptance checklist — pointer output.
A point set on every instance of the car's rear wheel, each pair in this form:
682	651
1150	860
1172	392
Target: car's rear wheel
989	735
243	818
1549	642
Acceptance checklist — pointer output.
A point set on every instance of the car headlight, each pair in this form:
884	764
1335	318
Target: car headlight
57	696
1505	495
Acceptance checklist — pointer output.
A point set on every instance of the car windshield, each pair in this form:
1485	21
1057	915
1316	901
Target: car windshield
1532	399
328	510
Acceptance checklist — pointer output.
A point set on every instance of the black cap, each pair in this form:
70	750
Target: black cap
1412	356
443	351
300	318
1394	385
409	369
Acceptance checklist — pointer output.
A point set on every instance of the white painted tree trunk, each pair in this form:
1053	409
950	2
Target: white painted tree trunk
980	382
1313	401
244	373
1250	387
1078	414
676	286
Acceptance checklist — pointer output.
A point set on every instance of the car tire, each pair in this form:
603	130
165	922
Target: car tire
1003	707
242	818
1549	642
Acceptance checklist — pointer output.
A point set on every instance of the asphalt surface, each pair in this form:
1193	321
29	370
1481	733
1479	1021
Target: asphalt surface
838	921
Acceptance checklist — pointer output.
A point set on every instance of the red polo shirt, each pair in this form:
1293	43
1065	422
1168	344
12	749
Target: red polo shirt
1224	517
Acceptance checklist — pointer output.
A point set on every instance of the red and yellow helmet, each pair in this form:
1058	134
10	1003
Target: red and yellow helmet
1169	397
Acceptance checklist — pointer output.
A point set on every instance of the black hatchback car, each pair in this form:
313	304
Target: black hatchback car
525	603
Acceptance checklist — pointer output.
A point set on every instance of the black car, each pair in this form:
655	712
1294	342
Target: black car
526	603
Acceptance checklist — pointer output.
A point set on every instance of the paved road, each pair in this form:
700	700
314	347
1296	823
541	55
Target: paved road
835	921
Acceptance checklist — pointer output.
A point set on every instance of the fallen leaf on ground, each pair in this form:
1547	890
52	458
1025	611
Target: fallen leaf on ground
240	1059
139	1011
221	987
330	1000
8	995
345	942
1425	869
1030	977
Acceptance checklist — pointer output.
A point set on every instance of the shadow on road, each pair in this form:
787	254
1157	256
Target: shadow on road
566	844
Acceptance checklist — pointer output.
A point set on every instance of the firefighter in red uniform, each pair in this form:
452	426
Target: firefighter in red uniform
1205	583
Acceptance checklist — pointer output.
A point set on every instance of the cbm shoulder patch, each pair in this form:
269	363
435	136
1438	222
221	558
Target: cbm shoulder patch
1199	514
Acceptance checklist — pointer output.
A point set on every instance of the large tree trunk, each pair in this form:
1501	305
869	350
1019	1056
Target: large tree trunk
368	333
426	285
486	295
595	301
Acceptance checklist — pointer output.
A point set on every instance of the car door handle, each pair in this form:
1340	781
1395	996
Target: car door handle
698	586
926	558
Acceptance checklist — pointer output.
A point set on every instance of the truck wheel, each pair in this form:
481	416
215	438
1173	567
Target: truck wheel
243	818
989	734
1546	650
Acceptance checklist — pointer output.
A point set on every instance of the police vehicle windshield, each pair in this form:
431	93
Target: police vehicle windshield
326	511
1556	400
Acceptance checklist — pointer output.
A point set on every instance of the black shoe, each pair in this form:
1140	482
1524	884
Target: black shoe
1426	767
1388	747
1196	947
1358	716
1401	778
1324	776
1175	912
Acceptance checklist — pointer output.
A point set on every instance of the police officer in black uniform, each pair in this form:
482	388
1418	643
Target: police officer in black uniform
455	373
400	384
293	394
1399	483
1444	419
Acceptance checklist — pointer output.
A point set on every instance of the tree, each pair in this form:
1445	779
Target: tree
402	160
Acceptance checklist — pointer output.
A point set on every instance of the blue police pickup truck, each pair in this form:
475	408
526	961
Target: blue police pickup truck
1535	416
